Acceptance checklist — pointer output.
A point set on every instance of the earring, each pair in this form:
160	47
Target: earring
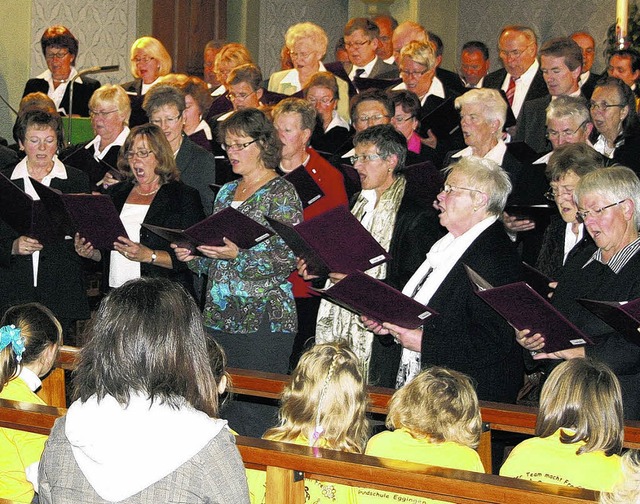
475	209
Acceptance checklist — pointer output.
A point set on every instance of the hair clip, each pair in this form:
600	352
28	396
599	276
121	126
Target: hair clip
10	335
317	432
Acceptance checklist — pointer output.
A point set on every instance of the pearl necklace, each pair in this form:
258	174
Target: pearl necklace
147	193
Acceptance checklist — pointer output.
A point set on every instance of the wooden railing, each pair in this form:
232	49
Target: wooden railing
287	466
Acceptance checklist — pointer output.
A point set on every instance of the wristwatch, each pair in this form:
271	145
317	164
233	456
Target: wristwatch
154	256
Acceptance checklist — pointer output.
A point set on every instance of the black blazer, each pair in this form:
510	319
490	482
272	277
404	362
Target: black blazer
82	158
176	206
61	285
537	88
467	335
81	93
134	90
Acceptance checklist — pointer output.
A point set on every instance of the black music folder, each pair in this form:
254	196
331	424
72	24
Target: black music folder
364	83
540	214
228	223
93	216
537	280
444	120
26	216
334	241
307	189
368	296
524	308
623	316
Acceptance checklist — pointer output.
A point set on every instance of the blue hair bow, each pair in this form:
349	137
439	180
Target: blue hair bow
10	335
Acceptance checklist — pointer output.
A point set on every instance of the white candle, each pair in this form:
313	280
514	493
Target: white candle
622	16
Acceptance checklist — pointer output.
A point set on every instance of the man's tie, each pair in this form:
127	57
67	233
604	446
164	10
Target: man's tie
511	91
359	72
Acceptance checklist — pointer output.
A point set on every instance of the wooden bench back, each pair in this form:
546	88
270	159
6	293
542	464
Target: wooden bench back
287	465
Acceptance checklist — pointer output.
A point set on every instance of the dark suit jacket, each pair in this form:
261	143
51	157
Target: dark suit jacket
380	70
588	87
176	206
81	93
467	335
61	285
532	124
8	158
197	169
134	90
537	89
82	158
450	80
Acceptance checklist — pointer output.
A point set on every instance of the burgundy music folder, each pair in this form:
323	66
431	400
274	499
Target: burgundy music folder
93	216
524	308
623	316
228	223
307	189
334	241
368	296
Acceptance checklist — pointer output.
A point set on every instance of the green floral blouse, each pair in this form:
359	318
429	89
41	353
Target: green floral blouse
241	290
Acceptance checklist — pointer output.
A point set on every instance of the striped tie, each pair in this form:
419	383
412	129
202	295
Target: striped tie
511	91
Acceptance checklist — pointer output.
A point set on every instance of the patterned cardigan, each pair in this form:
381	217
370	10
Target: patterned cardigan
241	290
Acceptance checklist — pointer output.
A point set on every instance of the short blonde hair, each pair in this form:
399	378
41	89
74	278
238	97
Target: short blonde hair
583	395
326	390
233	53
494	108
627	490
440	405
311	33
115	95
154	48
423	53
485	176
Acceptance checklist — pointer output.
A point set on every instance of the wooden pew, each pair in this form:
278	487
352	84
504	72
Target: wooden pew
496	416
287	465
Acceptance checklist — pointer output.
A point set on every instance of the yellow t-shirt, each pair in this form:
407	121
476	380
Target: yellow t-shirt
550	461
316	492
18	449
401	445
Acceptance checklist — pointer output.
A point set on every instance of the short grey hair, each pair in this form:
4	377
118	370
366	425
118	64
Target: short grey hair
616	183
486	176
494	108
569	106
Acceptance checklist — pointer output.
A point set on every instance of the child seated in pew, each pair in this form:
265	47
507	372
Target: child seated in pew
627	490
30	336
434	420
324	406
579	430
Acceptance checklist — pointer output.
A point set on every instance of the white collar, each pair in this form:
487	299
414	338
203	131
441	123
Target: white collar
544	159
496	154
292	77
21	172
46	75
436	89
30	378
584	77
225	115
527	77
119	141
145	87
367	69
336	120
220	90
350	153
390	60
203	126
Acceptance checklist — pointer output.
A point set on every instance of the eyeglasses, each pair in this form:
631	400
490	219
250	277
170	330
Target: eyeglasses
169	121
141	153
301	55
58	55
581	216
364	158
401	120
384	39
377	117
142	59
603	105
236	147
357	44
240	96
417	74
564	133
552	193
515	53
325	101
98	113
447	188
